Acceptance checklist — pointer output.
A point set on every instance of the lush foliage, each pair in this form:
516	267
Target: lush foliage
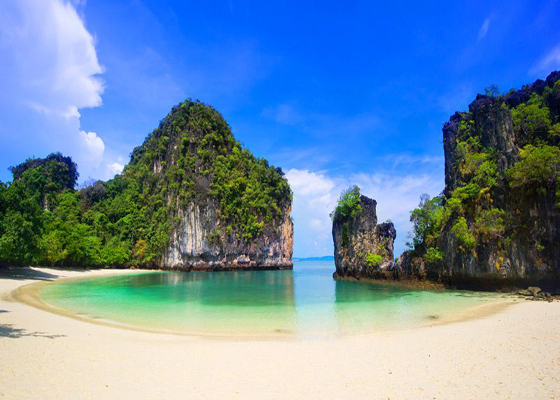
461	231
471	199
532	120
433	256
426	220
374	259
51	175
191	158
349	204
537	171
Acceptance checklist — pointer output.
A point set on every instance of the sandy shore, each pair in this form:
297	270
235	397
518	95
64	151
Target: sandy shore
514	353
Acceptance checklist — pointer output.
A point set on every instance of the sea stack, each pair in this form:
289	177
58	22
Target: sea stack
362	248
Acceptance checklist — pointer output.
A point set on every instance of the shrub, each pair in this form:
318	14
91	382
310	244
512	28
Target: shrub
462	233
492	90
433	256
490	224
531	120
349	204
537	171
554	131
374	260
427	219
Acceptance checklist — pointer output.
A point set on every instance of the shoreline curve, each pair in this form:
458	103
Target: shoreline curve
29	294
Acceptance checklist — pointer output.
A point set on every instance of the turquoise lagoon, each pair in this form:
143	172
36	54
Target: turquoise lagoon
305	302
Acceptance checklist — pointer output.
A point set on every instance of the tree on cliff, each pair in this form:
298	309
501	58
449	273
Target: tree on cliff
348	206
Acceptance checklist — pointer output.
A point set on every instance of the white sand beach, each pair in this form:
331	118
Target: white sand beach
513	353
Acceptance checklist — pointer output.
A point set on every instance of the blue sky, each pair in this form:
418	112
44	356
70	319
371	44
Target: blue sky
335	93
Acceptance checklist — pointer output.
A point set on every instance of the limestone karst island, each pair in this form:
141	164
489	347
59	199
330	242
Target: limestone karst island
291	201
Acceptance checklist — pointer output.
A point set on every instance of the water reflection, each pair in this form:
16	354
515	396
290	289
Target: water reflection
305	301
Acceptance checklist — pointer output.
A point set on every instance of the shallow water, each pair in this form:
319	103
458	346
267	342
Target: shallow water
305	302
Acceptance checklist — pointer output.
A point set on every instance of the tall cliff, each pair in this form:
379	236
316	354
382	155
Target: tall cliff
498	219
227	209
190	198
199	241
362	248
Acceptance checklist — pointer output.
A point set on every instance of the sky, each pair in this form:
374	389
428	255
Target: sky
335	93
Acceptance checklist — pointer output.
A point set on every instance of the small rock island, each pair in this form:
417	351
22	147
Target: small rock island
362	248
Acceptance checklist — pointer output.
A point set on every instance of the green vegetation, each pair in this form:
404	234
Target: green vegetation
349	206
191	158
426	220
374	260
538	170
433	256
466	239
492	90
532	120
468	210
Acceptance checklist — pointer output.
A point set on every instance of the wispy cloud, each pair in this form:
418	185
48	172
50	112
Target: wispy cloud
549	62
323	123
484	28
397	160
306	157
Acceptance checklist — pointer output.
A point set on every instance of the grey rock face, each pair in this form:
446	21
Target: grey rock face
356	238
495	126
200	243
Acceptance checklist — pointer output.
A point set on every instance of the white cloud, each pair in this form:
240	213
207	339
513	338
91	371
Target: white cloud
402	159
549	62
115	168
93	146
52	55
306	182
484	29
50	68
397	195
316	194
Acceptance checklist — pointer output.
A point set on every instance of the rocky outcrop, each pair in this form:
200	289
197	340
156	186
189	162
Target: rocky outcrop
494	125
222	207
363	248
527	250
